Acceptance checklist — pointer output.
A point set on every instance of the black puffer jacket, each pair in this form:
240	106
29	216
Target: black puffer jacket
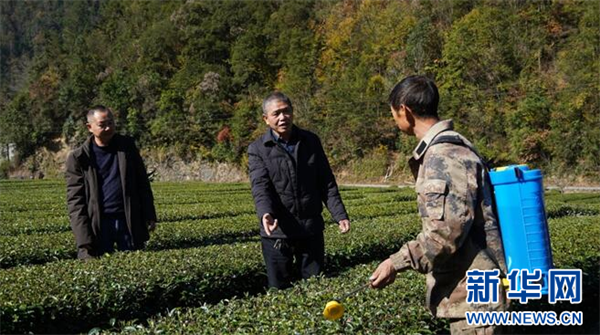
293	189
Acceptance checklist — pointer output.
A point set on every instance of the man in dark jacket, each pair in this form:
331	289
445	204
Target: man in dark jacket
291	179
108	192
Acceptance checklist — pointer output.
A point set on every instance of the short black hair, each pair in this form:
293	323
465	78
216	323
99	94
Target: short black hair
418	93
98	108
276	96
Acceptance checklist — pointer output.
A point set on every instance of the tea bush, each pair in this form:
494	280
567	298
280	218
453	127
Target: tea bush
399	309
132	285
203	214
396	310
202	271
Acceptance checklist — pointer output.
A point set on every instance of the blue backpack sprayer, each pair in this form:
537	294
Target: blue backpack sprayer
519	196
519	204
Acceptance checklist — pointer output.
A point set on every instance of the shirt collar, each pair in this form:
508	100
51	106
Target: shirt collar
276	138
274	135
435	130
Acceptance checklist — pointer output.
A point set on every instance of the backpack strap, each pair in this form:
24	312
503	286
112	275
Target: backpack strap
457	140
454	139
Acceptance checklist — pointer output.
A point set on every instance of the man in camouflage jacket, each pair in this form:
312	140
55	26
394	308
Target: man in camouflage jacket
459	229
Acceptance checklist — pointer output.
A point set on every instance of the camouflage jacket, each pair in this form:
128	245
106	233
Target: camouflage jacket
459	228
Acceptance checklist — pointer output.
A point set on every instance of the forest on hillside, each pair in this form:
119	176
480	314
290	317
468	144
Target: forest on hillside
520	78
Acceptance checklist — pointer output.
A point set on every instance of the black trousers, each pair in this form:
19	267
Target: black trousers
290	259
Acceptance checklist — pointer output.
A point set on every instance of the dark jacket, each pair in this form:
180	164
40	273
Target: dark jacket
293	188
83	193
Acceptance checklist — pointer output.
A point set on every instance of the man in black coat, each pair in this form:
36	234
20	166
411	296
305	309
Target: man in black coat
291	179
108	192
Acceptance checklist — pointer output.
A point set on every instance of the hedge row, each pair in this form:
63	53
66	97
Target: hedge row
17	193
202	203
198	229
70	296
189	230
560	209
399	309
201	211
198	192
396	310
42	248
47	213
586	198
223	194
17	223
36	200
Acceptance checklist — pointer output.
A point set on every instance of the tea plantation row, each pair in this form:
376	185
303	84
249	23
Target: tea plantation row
40	248
396	310
203	270
134	285
206	204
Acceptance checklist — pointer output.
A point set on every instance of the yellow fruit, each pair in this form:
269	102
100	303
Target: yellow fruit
333	310
505	283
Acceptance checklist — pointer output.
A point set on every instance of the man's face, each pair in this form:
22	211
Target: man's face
401	118
279	117
102	126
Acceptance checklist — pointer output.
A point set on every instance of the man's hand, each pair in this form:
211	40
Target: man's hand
269	223
384	275
344	226
151	226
